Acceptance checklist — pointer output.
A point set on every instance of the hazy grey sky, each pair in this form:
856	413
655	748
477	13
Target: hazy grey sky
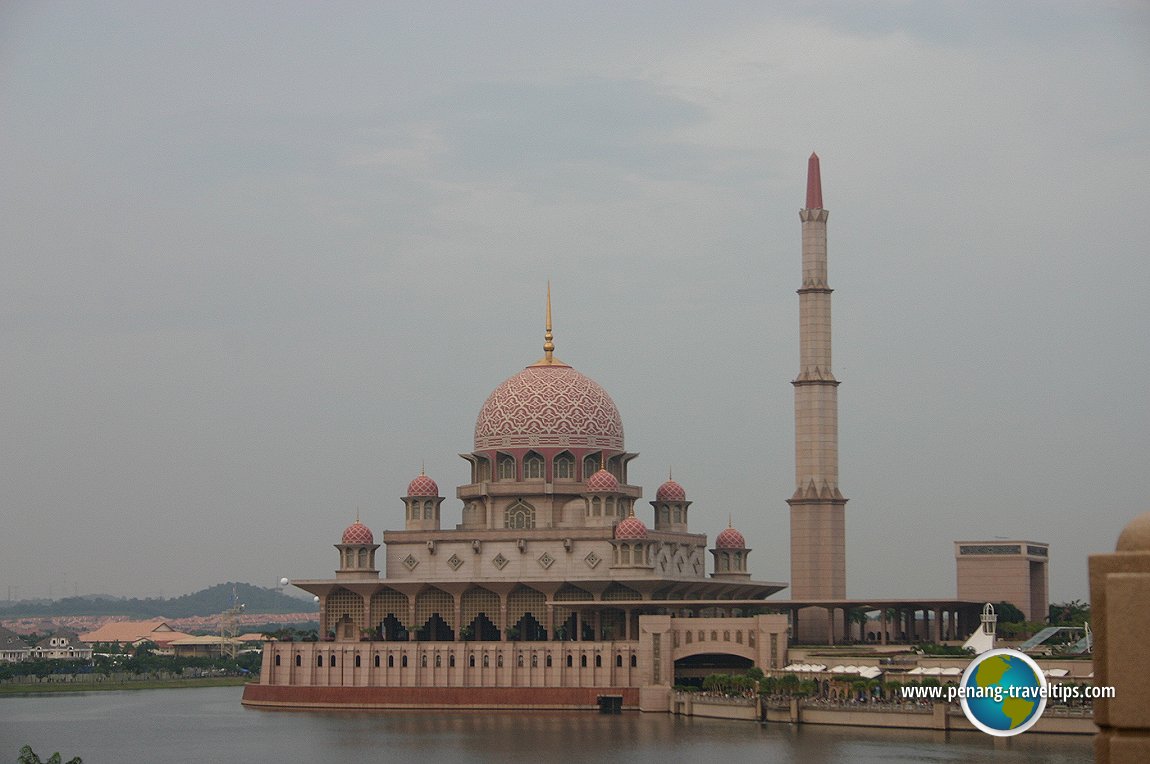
262	260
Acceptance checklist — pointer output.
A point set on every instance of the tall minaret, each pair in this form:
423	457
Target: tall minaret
818	538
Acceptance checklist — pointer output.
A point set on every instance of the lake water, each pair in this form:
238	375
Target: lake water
210	725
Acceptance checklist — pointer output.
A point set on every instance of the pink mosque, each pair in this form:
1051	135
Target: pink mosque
552	591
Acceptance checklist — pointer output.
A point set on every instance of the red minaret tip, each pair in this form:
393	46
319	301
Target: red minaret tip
814	184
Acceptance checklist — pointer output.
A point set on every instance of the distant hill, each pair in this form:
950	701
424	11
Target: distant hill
210	601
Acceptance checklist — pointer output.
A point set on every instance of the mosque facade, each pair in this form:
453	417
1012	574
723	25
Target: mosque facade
552	590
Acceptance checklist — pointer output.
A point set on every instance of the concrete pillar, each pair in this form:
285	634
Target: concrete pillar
1119	593
883	626
936	625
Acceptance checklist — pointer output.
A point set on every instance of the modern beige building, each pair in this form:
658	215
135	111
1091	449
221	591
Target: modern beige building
1005	571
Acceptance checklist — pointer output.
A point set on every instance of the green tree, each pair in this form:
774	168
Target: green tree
1073	613
28	756
1008	613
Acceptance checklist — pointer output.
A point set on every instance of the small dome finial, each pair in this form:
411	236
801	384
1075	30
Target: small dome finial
548	337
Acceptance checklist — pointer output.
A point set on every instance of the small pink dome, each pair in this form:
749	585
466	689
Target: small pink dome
631	528
423	486
670	491
602	482
730	539
358	533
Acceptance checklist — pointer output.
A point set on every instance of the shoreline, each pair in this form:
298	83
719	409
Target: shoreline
43	688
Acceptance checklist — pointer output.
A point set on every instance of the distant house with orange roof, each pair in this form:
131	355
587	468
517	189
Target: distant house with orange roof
135	633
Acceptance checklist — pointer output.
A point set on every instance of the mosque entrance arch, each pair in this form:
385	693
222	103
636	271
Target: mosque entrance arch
693	669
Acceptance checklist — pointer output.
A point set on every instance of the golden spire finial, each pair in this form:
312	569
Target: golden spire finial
357	513
729	525
422	466
548	337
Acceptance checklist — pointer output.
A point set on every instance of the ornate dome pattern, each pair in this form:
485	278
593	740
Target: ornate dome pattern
358	533
631	529
423	486
602	482
549	405
670	491
730	539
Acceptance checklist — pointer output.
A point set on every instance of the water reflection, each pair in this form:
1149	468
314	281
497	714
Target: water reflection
208	725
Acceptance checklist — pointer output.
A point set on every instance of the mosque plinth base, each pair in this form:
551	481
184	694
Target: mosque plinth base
459	698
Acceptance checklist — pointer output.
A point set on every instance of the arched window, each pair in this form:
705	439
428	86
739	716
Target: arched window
564	467
277	660
520	515
548	662
363	558
590	465
403	662
598	661
333	660
583	661
569	664
357	661
298	661
499	661
486	663
634	661
471	661
533	467
451	661
534	661
506	467
519	661
423	661
438	661
427	508
482	470
319	661
391	661
376	661
618	661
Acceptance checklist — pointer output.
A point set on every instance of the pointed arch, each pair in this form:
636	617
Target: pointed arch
563	467
533	466
506	467
519	515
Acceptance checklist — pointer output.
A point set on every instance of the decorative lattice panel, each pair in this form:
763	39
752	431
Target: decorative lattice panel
389	602
616	592
476	601
569	593
434	601
523	600
339	603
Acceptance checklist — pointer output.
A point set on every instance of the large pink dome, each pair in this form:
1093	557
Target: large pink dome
549	405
